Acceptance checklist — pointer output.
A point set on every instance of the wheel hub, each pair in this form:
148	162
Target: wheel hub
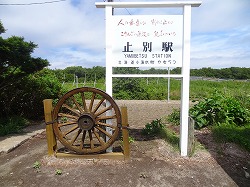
86	122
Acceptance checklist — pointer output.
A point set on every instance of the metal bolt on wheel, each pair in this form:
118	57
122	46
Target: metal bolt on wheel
86	120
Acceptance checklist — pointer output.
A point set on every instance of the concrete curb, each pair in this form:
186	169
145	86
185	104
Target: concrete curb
10	142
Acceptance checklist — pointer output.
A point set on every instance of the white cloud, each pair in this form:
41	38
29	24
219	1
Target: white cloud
56	24
57	28
221	49
214	15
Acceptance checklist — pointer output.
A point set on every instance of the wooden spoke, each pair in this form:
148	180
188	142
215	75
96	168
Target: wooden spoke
84	102
84	130
105	124
68	116
98	138
92	101
105	117
71	109
83	139
76	136
103	131
104	110
70	130
77	104
91	140
98	105
67	123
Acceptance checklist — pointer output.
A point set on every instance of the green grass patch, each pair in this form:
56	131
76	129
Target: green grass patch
230	133
13	124
157	129
170	136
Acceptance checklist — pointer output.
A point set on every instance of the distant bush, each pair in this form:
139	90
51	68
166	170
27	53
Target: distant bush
129	88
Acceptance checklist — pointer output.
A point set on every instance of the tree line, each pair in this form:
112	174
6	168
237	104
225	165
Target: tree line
98	73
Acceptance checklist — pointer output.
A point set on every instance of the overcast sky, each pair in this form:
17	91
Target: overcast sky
72	32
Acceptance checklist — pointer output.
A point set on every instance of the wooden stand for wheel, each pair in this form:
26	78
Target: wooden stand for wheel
52	143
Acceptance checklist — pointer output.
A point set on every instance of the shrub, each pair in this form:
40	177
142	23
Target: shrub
26	99
219	109
215	110
153	128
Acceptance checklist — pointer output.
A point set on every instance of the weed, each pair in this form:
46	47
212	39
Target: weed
64	119
130	140
58	172
37	165
153	128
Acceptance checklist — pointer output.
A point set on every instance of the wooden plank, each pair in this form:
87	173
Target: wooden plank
113	156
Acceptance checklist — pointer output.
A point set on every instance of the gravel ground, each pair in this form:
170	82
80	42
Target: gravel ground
141	112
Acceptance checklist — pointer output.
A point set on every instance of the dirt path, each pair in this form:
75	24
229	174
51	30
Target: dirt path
153	162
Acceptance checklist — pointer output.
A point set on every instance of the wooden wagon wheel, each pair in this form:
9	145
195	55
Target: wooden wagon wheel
84	118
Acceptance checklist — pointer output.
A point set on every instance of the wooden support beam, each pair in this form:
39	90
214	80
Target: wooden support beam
51	140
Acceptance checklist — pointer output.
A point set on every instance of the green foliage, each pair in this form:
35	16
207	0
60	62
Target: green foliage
128	88
36	165
174	117
23	85
153	128
26	98
83	74
157	128
16	61
59	172
13	124
155	88
170	136
224	73
2	29
130	140
231	133
219	109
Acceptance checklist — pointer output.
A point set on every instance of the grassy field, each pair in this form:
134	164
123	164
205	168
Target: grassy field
158	88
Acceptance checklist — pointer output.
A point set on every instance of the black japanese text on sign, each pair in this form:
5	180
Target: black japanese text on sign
147	41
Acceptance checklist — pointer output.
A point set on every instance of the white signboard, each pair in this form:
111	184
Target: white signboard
147	41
